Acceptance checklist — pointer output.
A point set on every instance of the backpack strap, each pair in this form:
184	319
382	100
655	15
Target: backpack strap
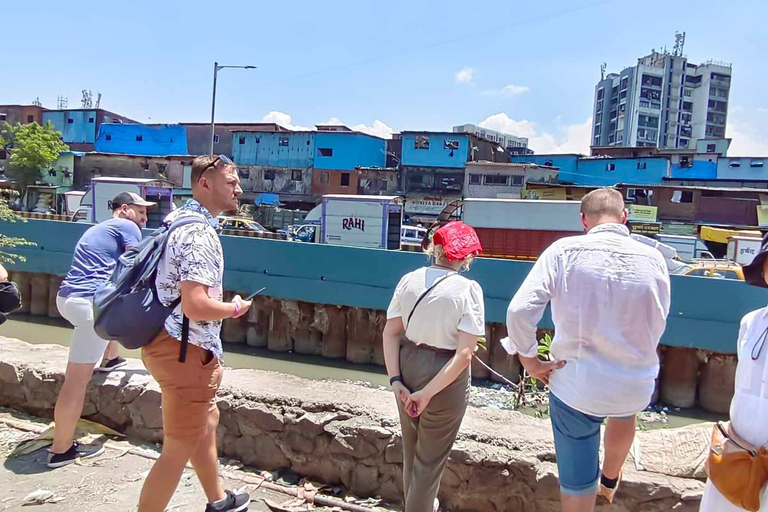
425	293
184	221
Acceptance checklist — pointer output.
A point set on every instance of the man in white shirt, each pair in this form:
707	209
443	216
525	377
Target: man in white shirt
610	300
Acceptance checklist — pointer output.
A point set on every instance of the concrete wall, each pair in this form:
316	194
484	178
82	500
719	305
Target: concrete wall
139	139
284	180
566	163
93	165
697	168
199	136
23	114
436	155
433	180
705	313
349	150
275	149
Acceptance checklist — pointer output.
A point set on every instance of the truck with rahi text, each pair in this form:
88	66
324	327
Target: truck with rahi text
354	220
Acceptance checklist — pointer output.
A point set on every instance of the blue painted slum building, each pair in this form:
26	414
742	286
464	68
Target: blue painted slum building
143	140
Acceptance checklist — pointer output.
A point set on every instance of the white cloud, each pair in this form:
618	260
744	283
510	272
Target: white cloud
378	128
283	119
508	90
763	110
465	76
572	138
746	141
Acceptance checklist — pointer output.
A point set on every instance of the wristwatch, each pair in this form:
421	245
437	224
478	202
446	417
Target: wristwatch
396	378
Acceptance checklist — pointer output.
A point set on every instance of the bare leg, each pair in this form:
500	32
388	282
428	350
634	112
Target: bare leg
69	405
111	351
580	504
164	476
206	462
619	434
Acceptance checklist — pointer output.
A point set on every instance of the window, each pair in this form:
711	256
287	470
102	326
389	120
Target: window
517	181
283	142
642	165
91	120
421	142
449	181
711	148
324	178
722	93
600	93
3	154
688	93
325	151
241	140
624	82
451	144
682	143
384	184
474	179
109	137
296	175
495	179
610	167
269	174
682	196
688	106
215	138
70	121
2	117
345	179
139	138
735	163
258	139
756	163
30	119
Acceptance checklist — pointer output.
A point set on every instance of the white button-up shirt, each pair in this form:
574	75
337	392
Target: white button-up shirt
610	300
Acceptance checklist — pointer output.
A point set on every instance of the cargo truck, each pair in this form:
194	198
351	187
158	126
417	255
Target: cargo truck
354	220
96	204
521	229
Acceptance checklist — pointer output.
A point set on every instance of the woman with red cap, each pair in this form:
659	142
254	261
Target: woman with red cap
440	314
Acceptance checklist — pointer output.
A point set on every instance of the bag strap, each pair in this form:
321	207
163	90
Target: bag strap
184	221
425	293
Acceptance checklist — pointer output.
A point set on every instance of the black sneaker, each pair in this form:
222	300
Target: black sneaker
58	460
112	364
232	503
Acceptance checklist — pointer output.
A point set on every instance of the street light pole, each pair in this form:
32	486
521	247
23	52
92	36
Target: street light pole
216	69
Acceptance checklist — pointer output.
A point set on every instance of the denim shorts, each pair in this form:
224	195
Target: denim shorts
577	446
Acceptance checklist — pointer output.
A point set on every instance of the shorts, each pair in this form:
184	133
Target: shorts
86	346
188	388
577	447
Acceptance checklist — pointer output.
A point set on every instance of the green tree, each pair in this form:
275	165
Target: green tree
31	148
10	242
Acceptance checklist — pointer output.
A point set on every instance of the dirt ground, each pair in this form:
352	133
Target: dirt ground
112	481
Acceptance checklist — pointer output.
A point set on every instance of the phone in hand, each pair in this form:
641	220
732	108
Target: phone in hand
251	296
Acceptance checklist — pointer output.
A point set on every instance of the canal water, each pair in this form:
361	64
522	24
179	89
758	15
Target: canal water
42	330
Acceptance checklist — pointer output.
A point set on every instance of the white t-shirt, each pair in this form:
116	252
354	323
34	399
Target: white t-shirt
456	304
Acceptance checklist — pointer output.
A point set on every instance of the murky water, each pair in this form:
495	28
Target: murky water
40	330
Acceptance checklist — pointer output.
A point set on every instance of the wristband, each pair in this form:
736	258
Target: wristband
396	378
237	310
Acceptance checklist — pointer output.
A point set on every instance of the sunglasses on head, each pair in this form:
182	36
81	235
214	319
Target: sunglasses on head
220	158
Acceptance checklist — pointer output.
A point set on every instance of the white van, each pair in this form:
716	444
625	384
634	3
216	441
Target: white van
412	235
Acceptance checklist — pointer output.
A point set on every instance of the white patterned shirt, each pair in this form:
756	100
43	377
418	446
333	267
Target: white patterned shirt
193	253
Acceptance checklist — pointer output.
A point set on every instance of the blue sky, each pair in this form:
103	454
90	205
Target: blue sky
374	65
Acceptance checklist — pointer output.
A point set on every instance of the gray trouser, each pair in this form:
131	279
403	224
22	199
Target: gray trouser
428	438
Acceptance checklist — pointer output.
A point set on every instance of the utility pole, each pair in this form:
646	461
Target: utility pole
216	69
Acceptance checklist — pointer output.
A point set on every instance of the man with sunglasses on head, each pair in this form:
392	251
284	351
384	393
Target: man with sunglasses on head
192	267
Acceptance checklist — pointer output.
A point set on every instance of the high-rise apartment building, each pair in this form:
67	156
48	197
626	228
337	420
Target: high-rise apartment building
663	101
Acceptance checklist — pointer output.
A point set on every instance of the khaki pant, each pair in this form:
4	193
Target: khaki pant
428	438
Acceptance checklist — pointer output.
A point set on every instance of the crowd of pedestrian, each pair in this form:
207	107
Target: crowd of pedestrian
609	297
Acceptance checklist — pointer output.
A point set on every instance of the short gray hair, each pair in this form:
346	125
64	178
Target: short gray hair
603	202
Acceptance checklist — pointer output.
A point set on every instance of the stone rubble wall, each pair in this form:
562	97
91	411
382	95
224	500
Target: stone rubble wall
688	377
340	433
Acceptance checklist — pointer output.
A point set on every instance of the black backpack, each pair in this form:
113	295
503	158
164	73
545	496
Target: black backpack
126	308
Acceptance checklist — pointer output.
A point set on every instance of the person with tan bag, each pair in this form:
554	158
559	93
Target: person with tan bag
738	461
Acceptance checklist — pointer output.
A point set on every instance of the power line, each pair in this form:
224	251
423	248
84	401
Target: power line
443	42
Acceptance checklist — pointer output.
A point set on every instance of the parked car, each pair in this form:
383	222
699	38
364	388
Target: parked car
412	235
720	269
240	224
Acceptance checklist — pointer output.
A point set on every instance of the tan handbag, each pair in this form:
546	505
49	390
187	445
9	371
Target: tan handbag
737	469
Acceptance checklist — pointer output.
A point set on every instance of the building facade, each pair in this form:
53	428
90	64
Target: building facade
199	136
664	101
603	171
79	127
505	140
140	139
505	181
